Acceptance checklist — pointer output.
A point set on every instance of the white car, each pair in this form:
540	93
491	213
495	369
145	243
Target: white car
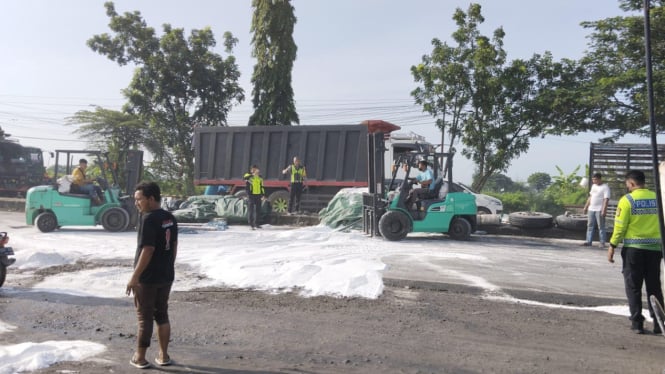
486	204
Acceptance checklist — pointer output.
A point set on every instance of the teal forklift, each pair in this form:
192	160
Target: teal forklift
51	206
385	210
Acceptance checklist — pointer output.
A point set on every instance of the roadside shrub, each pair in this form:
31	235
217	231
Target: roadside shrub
514	201
529	201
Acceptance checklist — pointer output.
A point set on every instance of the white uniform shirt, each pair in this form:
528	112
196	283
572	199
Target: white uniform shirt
597	195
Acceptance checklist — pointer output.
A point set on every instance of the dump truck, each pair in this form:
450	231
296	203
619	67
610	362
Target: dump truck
335	157
20	168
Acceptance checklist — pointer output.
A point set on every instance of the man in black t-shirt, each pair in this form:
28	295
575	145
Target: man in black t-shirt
154	272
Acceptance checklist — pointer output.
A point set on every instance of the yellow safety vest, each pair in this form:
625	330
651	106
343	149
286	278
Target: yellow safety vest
636	221
298	174
254	184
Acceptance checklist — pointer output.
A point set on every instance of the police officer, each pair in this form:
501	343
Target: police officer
255	192
636	225
298	175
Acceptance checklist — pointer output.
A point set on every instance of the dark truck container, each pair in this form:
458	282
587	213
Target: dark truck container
335	157
20	168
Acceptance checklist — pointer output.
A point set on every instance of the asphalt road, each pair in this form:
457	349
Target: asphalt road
489	305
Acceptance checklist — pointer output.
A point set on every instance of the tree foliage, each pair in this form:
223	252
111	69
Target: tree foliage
539	181
179	84
275	51
3	134
112	132
493	106
611	97
500	183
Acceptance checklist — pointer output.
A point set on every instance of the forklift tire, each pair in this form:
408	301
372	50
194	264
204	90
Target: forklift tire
115	219
460	229
394	225
46	222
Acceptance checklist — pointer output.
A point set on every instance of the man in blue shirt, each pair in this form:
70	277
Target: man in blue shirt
425	179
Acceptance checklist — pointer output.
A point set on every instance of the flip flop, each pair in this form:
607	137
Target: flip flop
139	365
165	362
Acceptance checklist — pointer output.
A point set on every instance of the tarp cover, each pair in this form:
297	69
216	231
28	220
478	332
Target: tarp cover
345	210
204	208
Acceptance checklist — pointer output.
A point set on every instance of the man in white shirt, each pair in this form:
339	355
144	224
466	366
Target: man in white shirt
596	209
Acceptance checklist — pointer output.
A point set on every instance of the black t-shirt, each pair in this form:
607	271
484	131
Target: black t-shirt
157	229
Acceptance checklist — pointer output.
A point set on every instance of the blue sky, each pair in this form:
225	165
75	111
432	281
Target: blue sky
353	61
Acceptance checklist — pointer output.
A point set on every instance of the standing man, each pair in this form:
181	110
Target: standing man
153	273
255	193
81	183
636	225
298	175
596	209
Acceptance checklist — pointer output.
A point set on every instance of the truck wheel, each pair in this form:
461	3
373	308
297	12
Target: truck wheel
576	222
460	229
115	219
46	222
3	274
279	201
530	220
394	225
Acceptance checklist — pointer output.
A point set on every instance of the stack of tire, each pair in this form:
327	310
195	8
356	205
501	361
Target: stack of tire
539	220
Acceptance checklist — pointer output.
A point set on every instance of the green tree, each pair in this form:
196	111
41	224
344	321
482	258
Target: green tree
566	188
495	107
3	134
611	98
113	132
500	183
275	51
179	84
110	130
539	181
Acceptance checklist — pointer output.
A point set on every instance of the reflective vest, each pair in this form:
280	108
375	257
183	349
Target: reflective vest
254	184
636	221
298	174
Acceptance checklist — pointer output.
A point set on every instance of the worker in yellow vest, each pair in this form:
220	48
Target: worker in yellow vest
636	224
298	175
255	195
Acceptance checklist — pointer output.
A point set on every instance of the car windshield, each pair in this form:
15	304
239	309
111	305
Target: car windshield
467	187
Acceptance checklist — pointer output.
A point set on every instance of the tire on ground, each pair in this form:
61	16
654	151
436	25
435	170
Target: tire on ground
46	222
394	225
530	220
460	229
575	222
279	201
115	219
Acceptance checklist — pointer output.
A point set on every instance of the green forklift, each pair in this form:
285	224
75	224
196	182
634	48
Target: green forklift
52	206
385	209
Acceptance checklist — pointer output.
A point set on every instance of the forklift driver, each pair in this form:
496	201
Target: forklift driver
81	184
425	179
